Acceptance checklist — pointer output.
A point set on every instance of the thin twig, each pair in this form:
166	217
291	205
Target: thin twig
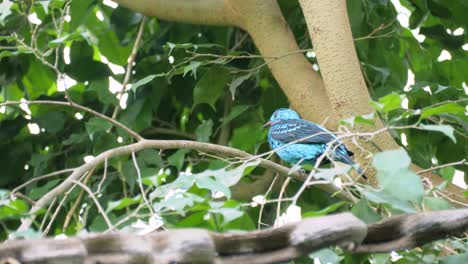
259	222
140	182
376	30
164	144
103	178
60	205
460	162
79	107
98	205
131	60
45	176
47	214
280	197
75	205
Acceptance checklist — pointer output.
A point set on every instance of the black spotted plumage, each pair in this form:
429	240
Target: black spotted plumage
310	140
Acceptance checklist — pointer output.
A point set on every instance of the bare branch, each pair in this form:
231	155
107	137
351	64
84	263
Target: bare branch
98	205
272	245
128	70
79	107
460	162
167	144
140	182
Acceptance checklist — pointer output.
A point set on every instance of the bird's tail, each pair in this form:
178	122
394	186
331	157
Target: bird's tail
347	160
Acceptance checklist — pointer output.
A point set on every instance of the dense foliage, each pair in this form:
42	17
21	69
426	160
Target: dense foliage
207	84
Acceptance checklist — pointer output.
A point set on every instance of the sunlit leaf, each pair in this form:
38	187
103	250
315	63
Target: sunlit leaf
396	178
446	129
452	108
143	81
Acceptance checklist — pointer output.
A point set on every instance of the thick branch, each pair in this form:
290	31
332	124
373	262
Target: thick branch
266	25
408	231
167	144
273	37
329	27
207	12
266	246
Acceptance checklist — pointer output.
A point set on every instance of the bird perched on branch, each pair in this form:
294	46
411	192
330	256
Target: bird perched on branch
308	140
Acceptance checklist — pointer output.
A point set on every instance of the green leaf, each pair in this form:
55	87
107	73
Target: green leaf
74	139
235	112
449	108
143	81
329	209
368	119
13	209
391	160
210	87
396	178
151	157
192	67
95	125
38	192
111	47
177	159
52	122
212	184
326	256
380	197
101	88
329	174
236	82
122	203
204	131
137	115
455	259
247	136
437	203
228	177
364	212
388	103
193	220
447	173
178	203
229	214
231	177
446	129
183	182
69	37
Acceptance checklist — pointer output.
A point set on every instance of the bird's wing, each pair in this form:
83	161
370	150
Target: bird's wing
298	129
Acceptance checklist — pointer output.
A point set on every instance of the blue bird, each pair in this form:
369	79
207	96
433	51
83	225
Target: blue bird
287	126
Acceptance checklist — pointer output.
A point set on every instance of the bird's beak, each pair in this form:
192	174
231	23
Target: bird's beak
267	124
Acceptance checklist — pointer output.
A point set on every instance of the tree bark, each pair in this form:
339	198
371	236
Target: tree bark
263	20
344	93
329	28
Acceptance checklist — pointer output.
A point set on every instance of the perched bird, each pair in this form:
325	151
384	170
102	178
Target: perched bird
286	126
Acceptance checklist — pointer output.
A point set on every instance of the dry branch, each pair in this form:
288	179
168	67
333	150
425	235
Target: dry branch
168	144
266	246
341	93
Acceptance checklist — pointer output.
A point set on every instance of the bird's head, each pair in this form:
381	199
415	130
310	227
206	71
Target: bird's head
282	114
